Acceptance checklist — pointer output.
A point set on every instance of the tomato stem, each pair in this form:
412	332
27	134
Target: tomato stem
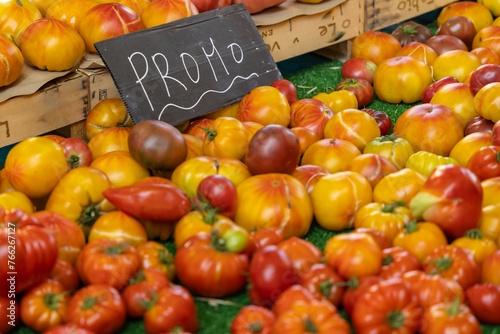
148	303
117	249
387	260
409	30
165	257
139	277
454	308
411	226
73	160
310	327
217	242
255	327
88	303
395	319
325	287
443	263
89	215
474	233
52	300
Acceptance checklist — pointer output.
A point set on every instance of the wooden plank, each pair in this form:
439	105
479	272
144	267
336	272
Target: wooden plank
307	33
57	104
383	13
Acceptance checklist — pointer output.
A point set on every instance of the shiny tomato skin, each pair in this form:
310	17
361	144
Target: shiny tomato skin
359	87
251	318
287	88
66	274
356	287
260	238
375	46
484	300
220	192
99	308
304	254
485	162
383	120
450	317
358	68
208	271
323	282
271	272
396	261
430	90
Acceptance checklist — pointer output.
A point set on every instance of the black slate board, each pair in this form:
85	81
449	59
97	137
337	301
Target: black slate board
190	67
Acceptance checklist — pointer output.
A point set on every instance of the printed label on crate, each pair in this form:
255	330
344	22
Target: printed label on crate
190	67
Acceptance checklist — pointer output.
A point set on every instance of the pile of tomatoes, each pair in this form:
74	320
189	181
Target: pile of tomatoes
413	206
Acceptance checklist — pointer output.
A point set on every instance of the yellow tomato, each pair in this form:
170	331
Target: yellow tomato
479	247
155	255
489	223
226	137
195	222
16	199
387	218
338	100
420	51
488	37
109	140
108	113
401	79
229	111
188	175
16	16
265	105
425	162
455	63
194	146
376	46
491	189
420	239
336	198
353	125
332	154
457	97
5	185
120	226
120	168
395	149
470	144
479	14
402	185
487	102
274	200
35	165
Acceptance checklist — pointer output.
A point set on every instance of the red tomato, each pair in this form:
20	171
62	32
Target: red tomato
287	88
68	329
385	307
358	68
454	263
312	114
430	90
450	317
66	274
271	272
323	282
485	162
375	46
99	308
220	192
44	306
396	261
356	287
383	120
206	268
77	152
252	319
23	239
484	300
262	237
174	308
108	261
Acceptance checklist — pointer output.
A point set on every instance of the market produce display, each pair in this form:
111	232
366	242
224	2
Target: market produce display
350	196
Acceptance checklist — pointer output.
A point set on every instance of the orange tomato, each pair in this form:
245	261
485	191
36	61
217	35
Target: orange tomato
226	137
420	51
457	97
164	11
338	100
252	127
402	185
463	62
194	146
387	218
107	113
336	198
306	137
487	38
332	154
16	17
376	46
420	238
35	165
490	269
309	175
353	255
120	226
109	140
13	62
274	200
120	168
486	55
198	127
265	105
155	255
470	144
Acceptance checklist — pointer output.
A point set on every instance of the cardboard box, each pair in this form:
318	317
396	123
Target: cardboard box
383	13
306	33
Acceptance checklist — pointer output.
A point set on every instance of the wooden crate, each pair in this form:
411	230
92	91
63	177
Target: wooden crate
383	13
307	33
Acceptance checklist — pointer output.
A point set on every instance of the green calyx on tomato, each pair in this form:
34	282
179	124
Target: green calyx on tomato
411	226
389	208
409	30
88	303
395	319
454	308
148	303
211	133
117	249
474	233
325	287
139	277
387	260
73	160
442	264
89	215
309	326
52	300
255	327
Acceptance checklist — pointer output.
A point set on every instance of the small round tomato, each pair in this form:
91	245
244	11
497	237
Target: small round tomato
66	274
260	238
359	87
220	192
252	319
291	295
198	127
464	63
110	112
312	114
155	255
383	120
485	163
450	316
484	300
109	140
458	97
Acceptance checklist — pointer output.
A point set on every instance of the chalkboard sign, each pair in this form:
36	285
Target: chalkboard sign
189	67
